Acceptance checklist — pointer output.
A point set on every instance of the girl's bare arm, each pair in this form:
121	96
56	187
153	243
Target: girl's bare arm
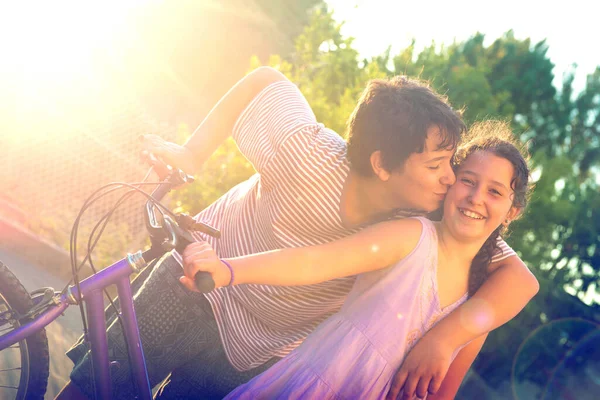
373	248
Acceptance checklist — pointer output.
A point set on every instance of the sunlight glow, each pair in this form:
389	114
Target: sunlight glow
60	54
56	40
477	316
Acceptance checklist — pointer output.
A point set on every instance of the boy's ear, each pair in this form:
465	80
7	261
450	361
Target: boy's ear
513	213
377	166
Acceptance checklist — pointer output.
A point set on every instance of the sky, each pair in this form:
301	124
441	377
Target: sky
570	28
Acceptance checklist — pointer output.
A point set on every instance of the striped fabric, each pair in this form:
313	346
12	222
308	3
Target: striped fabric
292	201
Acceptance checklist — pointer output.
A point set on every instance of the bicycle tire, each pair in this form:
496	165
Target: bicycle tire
33	350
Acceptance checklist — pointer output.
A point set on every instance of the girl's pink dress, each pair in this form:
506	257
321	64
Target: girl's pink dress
356	352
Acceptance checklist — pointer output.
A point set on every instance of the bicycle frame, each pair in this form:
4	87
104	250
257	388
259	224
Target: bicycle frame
164	237
91	291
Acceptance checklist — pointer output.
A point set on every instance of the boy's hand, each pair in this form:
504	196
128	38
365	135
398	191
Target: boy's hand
170	153
200	256
422	370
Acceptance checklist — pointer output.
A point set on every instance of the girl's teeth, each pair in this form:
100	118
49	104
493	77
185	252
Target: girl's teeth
471	214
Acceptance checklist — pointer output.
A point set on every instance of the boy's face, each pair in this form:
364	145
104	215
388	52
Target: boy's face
425	178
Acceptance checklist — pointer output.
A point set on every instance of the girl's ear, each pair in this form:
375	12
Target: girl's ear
377	166
512	214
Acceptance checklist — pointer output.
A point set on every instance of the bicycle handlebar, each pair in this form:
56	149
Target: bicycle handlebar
179	230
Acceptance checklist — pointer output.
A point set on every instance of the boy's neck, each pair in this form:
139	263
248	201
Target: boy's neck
359	203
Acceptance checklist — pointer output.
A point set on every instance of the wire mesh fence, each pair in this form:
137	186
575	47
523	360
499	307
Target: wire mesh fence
58	151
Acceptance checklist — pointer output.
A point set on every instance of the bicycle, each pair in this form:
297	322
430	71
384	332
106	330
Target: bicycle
24	316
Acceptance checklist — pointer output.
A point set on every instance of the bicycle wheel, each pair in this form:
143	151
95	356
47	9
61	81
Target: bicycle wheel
24	366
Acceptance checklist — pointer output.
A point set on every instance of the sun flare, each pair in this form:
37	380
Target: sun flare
57	40
57	51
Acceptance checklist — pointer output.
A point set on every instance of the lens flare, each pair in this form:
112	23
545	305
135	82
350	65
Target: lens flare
559	360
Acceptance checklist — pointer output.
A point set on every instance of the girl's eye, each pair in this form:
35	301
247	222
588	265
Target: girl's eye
495	192
467	181
434	167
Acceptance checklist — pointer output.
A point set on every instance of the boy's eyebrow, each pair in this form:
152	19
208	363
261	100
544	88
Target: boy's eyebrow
440	158
468	172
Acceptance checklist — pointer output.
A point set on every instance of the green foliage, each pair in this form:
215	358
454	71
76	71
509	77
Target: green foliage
289	16
325	68
223	170
559	235
511	79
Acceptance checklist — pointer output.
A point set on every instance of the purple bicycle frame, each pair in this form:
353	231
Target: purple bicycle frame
91	291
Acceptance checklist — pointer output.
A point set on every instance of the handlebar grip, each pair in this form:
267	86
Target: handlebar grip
204	282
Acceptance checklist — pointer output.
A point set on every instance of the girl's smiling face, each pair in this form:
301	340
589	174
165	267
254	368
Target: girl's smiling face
482	197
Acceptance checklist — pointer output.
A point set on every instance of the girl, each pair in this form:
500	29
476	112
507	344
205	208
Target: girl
414	272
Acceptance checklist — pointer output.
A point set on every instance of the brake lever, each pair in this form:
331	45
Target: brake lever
178	232
188	223
180	238
176	178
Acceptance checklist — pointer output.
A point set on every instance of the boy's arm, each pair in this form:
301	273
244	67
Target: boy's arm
217	126
503	295
456	373
375	247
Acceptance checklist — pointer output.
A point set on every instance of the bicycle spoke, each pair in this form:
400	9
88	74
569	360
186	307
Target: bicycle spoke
10	369
8	387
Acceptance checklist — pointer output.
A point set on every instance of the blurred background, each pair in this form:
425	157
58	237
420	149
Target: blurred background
81	81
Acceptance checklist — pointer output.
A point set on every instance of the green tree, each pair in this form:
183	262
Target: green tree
512	79
325	68
509	79
559	235
563	231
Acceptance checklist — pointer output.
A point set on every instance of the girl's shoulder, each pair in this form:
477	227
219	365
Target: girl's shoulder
423	230
411	232
421	226
409	227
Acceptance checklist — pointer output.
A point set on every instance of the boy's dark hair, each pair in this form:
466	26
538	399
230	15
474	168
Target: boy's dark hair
393	116
497	138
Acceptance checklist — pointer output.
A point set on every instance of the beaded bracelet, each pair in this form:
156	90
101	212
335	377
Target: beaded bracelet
230	270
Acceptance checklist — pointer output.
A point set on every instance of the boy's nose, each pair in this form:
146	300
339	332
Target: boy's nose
449	178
